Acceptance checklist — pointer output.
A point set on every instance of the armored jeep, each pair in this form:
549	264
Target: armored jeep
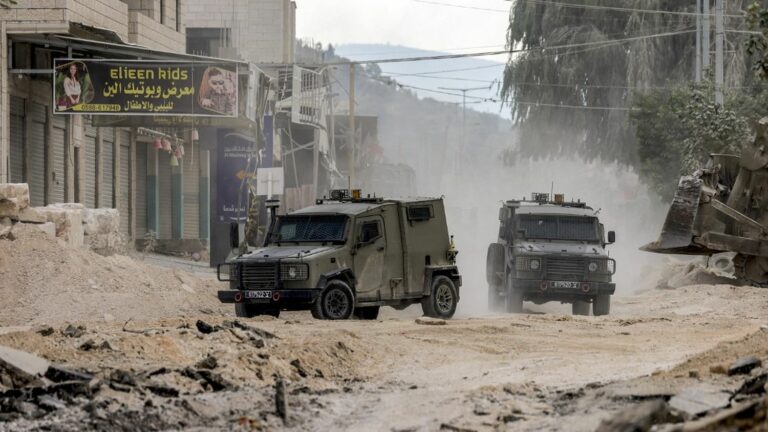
348	256
550	251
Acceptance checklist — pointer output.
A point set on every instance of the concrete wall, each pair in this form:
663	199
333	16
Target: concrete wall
263	31
147	32
31	15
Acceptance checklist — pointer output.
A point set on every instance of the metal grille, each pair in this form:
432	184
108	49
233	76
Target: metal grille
565	267
578	228
259	276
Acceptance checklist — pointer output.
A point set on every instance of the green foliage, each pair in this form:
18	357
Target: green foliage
677	130
7	3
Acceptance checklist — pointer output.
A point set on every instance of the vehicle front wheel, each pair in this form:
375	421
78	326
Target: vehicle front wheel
245	310
602	305
367	313
336	302
514	300
580	307
442	300
495	301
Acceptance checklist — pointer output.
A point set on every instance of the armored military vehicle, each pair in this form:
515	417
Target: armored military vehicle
347	256
550	251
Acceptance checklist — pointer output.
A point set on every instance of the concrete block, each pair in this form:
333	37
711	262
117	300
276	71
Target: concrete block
19	191
48	228
31	215
68	221
9	208
101	221
19	368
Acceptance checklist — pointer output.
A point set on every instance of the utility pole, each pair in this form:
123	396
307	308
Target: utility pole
719	41
463	115
697	66
705	41
351	133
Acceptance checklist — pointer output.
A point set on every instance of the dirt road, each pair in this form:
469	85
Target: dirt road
476	373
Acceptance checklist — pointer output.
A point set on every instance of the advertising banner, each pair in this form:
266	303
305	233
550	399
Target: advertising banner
236	162
147	88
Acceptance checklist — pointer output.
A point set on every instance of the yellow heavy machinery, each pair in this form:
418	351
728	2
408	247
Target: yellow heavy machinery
723	207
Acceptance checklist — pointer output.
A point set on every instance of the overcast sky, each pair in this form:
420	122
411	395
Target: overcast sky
405	22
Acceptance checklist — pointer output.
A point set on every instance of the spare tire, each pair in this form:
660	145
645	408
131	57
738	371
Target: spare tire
494	264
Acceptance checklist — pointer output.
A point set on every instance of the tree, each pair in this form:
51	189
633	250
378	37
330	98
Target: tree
573	100
677	130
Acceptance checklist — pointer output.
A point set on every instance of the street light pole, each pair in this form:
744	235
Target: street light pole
463	114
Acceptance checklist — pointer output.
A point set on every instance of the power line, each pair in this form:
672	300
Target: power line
577	106
461	6
619	9
513	51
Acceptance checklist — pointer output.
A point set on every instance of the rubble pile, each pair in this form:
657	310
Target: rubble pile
98	229
46	280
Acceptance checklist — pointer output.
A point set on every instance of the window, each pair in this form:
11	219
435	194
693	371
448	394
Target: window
162	11
548	227
420	213
320	228
369	232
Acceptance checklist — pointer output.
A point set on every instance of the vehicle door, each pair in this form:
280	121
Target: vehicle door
370	249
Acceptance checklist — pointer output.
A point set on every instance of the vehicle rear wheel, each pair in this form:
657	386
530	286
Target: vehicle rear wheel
336	302
602	305
580	307
246	310
442	300
495	301
367	313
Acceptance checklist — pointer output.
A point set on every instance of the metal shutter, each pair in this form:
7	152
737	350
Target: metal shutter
17	139
141	190
108	163
58	141
89	165
36	149
164	195
124	194
191	186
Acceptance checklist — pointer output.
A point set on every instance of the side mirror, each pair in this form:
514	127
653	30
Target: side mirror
611	237
234	235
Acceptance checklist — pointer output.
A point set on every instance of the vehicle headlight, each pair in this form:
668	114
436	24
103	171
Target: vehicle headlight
593	266
535	264
294	271
611	266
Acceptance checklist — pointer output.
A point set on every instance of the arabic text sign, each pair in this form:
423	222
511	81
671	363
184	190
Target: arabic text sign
145	88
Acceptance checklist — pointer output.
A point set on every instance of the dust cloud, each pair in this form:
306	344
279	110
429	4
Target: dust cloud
473	198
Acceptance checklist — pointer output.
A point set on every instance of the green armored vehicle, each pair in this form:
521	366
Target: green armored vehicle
348	256
550	251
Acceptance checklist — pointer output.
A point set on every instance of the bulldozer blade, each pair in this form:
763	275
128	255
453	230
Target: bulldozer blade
677	233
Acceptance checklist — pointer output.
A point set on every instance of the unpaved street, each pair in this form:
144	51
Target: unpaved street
476	373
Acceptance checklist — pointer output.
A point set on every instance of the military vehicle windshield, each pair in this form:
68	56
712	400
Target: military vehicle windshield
548	227
310	228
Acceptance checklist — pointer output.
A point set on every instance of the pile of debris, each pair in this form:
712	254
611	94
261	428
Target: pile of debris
99	229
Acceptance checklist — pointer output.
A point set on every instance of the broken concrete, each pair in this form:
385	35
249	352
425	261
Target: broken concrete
695	401
744	365
19	368
31	215
101	221
640	417
9	208
15	191
6	226
430	321
48	228
68	218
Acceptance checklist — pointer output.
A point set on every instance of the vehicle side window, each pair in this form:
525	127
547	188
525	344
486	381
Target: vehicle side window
369	231
420	213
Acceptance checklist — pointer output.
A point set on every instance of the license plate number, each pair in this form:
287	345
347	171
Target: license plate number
258	294
564	284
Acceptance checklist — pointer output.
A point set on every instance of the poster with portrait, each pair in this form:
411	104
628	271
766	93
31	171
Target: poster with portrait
145	88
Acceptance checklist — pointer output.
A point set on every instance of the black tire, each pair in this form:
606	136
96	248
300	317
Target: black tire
442	300
336	302
246	310
514	300
494	264
495	301
580	307
367	313
602	305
